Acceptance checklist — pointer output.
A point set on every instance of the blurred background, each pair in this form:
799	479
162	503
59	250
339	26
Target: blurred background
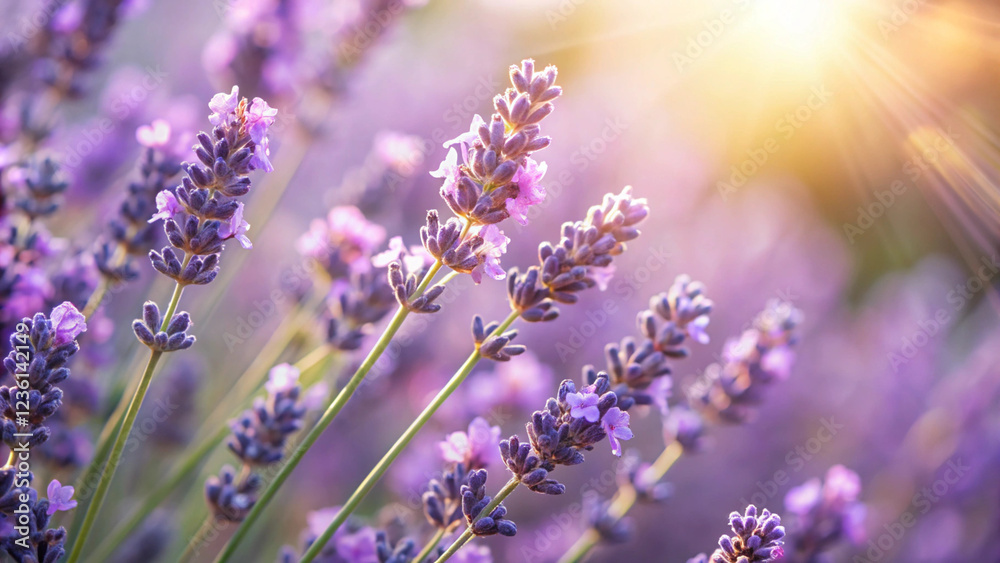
841	155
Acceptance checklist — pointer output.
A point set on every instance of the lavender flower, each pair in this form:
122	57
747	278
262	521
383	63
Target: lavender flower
639	370
474	449
211	214
354	306
759	357
48	348
467	453
202	213
496	178
27	537
756	539
556	436
60	497
353	543
474	500
569	267
43	185
825	514
343	243
258	440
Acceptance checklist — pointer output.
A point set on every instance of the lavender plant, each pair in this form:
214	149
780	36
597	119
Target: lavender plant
497	179
40	350
757	539
825	514
759	356
579	260
199	216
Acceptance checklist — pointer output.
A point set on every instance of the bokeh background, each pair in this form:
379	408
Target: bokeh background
841	155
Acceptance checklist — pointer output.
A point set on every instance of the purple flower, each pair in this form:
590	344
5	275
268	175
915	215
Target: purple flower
222	105
615	423
155	135
802	499
473	553
450	171
584	405
842	486
413	258
399	152
282	378
495	245
259	116
475	448
31	291
261	152
602	275
318	521
236	228
345	232
778	361
68	323
530	191
469	138
167	206
359	547
60	497
696	329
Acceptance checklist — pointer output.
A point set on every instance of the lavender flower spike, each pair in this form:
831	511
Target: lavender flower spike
757	539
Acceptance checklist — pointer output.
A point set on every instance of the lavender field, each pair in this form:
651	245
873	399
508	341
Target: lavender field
414	281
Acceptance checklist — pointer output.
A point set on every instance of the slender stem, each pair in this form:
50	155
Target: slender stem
185	468
331	412
404	440
10	460
430	547
114	458
96	297
194	545
122	437
467	535
623	502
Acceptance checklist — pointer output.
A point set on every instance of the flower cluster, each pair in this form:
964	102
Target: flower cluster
580	260
730	391
757	539
572	421
343	243
639	370
25	535
41	351
258	440
825	513
497	177
203	212
760	356
75	36
468	454
129	233
353	543
38	357
43	184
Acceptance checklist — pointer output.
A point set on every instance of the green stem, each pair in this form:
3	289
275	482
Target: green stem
331	413
122	437
187	466
431	546
467	535
623	502
387	460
